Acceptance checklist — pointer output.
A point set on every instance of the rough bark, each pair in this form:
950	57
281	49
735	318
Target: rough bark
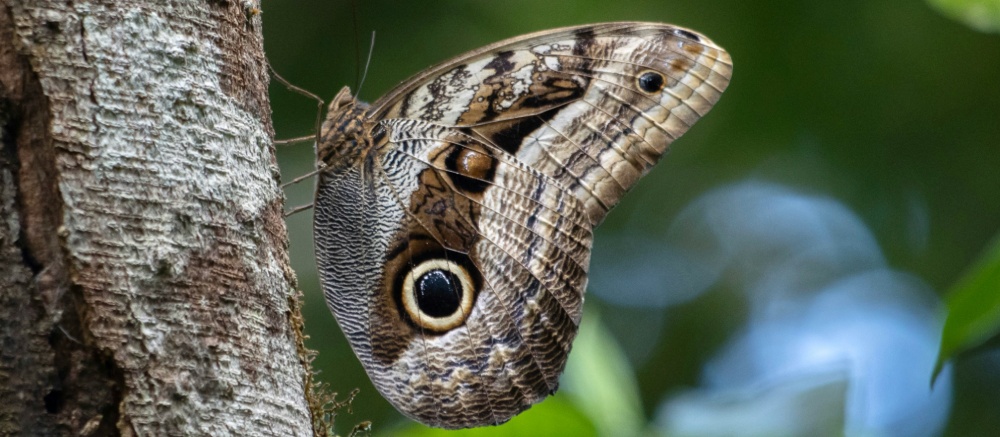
144	283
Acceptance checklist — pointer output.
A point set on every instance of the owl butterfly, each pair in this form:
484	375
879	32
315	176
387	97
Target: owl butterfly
454	216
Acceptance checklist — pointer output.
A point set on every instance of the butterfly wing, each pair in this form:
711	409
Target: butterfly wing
593	107
453	234
483	283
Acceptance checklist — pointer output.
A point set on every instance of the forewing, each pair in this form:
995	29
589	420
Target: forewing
593	107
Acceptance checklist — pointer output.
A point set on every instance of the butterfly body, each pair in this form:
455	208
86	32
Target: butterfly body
454	216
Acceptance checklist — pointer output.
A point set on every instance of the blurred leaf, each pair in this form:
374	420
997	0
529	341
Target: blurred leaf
973	307
799	403
601	382
555	416
982	15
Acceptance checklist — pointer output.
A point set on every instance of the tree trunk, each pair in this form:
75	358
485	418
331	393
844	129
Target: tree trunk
144	282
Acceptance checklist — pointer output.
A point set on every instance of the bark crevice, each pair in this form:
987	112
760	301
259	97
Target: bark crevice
144	279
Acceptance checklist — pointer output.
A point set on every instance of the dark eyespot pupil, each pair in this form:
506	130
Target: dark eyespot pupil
651	82
438	293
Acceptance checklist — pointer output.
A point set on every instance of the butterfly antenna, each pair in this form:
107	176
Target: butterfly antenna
357	44
371	49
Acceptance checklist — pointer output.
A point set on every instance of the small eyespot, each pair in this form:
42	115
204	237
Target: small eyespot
437	295
470	167
687	34
650	82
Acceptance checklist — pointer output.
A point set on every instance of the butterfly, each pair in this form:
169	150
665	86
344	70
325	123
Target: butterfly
454	216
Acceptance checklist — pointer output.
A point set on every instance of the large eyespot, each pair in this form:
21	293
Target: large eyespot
650	82
437	294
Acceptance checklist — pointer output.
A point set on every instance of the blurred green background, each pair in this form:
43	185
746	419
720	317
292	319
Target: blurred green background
888	110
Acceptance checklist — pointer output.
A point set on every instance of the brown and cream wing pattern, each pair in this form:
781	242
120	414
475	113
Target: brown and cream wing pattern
519	245
453	217
594	107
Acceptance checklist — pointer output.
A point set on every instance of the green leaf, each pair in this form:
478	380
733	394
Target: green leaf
982	15
973	307
555	416
601	381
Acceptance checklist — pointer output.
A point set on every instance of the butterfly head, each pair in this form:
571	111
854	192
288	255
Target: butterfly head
344	135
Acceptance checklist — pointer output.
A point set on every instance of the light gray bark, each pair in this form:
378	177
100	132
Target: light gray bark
144	282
